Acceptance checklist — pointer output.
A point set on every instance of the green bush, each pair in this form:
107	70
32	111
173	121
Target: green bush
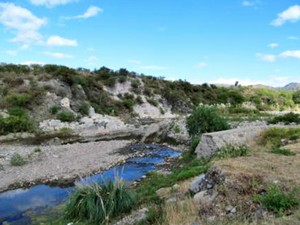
99	204
205	119
18	100
273	136
231	151
135	84
17	160
111	81
282	151
277	200
18	121
54	109
66	117
84	109
286	119
152	102
139	100
129	103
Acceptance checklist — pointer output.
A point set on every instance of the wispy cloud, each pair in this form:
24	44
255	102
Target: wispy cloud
90	12
134	61
292	14
59	55
290	54
59	41
51	3
293	38
22	22
28	63
201	64
273	45
153	67
92	59
266	57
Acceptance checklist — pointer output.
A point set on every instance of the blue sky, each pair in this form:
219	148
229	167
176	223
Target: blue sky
254	41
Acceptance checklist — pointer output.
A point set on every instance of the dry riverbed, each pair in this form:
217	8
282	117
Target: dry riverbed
58	164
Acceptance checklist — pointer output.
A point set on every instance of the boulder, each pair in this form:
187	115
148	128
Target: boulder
210	142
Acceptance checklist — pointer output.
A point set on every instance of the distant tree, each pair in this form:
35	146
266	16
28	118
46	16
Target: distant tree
296	97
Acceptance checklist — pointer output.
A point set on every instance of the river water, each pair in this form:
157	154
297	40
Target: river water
15	204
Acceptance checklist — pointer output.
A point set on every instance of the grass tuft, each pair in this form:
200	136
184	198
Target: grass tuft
282	151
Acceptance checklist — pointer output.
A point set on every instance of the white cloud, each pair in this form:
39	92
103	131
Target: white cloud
252	3
59	41
273	45
231	81
134	61
293	38
92	59
292	14
90	12
201	64
58	55
153	67
266	57
290	54
50	3
22	22
29	63
11	52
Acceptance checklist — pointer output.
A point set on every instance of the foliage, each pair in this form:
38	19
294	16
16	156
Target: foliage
54	109
273	136
100	203
17	160
277	200
282	151
232	151
205	119
152	102
286	118
84	109
66	116
17	121
18	100
296	97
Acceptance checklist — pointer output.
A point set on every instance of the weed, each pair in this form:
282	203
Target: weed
177	129
66	116
282	151
54	109
286	119
17	160
277	200
231	151
37	150
273	136
152	102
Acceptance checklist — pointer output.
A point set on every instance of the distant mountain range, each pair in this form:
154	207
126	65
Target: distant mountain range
291	87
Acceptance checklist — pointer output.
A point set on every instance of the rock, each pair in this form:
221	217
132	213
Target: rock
210	142
204	198
171	200
163	193
65	102
133	218
197	184
230	209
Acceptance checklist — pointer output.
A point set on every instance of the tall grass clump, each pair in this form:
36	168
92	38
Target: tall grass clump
98	204
205	119
286	119
273	136
232	151
277	200
282	151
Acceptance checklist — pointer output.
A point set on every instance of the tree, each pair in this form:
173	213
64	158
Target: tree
296	97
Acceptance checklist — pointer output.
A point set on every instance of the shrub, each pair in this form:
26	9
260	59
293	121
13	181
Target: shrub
129	103
152	102
66	117
287	118
273	136
84	109
99	203
122	79
135	84
139	100
18	100
176	129
17	160
205	119
14	123
231	151
111	81
282	151
277	200
54	109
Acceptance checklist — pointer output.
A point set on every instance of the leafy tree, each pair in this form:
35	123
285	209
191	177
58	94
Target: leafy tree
296	97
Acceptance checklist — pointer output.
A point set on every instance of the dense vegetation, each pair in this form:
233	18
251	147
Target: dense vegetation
32	89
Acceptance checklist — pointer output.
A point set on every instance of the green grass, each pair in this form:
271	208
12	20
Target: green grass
147	189
66	117
98	204
273	136
277	200
231	151
282	151
17	160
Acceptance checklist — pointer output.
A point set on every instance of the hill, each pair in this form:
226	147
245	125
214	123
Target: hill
291	87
